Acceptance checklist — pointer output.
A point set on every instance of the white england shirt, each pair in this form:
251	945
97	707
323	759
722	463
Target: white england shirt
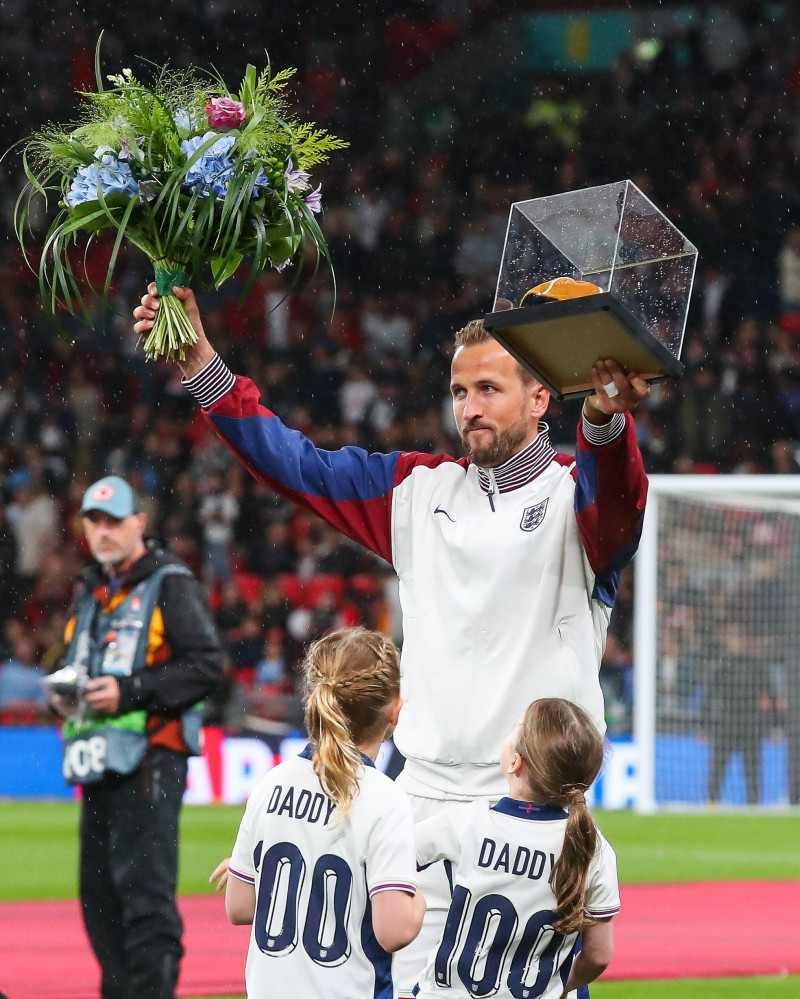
499	938
314	878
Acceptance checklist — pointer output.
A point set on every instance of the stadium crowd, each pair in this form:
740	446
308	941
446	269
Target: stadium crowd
707	122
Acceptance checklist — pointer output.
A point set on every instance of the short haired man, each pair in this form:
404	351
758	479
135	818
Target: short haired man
142	635
508	559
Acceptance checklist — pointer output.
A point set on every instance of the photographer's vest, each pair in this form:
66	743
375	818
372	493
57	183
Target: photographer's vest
116	644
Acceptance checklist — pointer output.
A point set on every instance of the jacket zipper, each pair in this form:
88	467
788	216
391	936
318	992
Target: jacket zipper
492	487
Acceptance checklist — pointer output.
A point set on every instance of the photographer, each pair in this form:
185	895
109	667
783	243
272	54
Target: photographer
142	641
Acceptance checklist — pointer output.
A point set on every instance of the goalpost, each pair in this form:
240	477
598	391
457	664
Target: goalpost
717	642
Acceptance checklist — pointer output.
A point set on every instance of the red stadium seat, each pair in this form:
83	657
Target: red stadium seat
238	563
364	583
327	583
21	713
245	676
249	586
294	589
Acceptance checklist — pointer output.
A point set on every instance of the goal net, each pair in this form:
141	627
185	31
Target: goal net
717	642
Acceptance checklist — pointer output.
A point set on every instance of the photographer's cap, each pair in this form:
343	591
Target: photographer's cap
111	495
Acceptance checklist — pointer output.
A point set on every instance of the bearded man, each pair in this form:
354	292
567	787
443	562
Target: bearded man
508	559
142	635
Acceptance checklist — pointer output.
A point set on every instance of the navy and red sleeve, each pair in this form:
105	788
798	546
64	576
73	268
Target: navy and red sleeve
350	488
610	497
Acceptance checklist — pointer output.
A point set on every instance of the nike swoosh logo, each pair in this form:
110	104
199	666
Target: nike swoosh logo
440	510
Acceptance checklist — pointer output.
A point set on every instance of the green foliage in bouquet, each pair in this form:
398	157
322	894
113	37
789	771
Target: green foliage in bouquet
197	176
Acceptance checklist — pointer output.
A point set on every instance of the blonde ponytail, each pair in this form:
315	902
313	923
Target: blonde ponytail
351	676
563	752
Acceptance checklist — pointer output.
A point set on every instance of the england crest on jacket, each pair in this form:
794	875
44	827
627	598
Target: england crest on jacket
532	516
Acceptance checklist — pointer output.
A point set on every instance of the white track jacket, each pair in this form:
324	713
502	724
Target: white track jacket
507	577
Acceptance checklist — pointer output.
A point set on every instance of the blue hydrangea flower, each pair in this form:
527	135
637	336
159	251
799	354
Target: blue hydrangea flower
262	180
183	119
113	177
213	170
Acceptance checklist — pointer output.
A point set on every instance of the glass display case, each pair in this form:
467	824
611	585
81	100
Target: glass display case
629	274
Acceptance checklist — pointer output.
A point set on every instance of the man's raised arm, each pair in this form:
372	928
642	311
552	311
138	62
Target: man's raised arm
349	488
611	482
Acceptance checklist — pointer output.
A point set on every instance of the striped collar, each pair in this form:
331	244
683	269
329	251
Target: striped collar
308	754
521	467
529	810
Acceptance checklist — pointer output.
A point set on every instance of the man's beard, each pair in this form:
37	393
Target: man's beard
503	445
109	562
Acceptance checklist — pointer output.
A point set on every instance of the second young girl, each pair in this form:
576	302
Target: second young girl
323	865
529	874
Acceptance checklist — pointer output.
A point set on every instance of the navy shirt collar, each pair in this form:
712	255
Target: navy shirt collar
308	754
529	810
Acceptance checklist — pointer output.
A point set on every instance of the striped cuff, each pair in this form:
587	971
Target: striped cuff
603	913
394	886
212	383
247	878
604	434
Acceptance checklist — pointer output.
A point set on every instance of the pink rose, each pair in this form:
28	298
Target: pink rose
224	114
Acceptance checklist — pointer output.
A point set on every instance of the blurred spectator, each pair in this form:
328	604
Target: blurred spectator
336	555
324	614
21	679
274	554
616	679
273	607
789	287
385	329
51	637
52	590
9	594
246	648
218	512
179	509
34	519
738	700
704	416
226	707
231	609
271	669
308	623
355	394
783	456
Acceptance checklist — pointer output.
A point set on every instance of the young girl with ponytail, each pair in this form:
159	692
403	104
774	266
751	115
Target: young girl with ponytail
529	874
323	867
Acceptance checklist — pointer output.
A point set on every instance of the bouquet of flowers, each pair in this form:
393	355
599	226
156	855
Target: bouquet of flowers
195	175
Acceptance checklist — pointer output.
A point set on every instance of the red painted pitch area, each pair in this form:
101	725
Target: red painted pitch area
664	931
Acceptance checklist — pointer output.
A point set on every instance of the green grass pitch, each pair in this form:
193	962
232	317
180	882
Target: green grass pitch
38	841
